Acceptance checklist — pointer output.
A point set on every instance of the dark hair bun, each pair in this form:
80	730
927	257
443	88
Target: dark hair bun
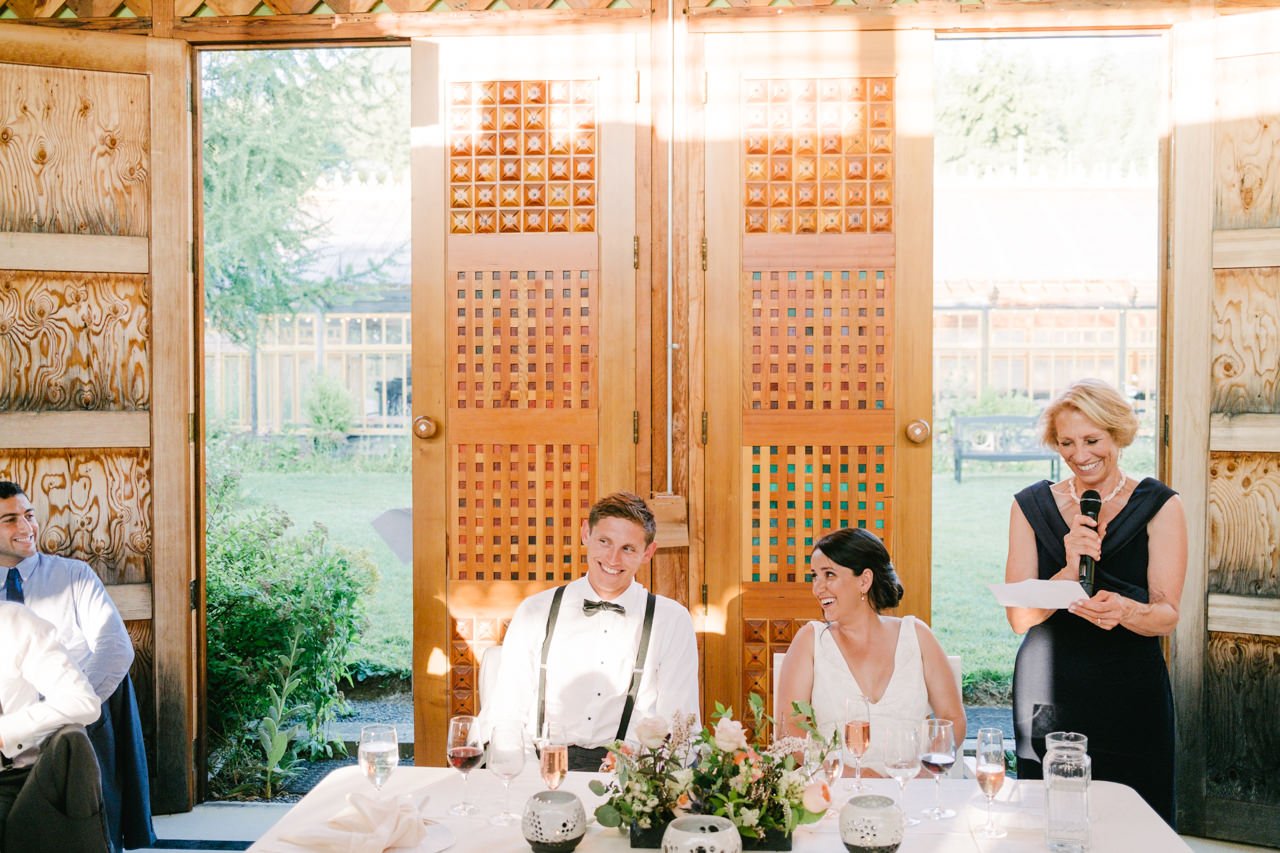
860	551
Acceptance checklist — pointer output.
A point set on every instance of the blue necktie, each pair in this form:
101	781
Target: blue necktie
13	587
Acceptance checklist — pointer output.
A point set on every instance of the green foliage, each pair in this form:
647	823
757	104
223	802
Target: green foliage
274	597
291	452
331	412
276	731
1048	105
275	123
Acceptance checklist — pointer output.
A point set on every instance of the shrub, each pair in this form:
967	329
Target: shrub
330	410
266	587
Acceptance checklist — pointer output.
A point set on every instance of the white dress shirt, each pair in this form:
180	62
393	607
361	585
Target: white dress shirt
69	594
41	688
590	662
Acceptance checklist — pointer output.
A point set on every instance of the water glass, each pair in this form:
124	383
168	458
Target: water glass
378	753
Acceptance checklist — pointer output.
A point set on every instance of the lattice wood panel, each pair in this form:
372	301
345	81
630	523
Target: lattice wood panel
1246	338
71	341
524	339
46	114
818	156
1242	687
522	156
1244	524
799	493
818	340
469	638
519	509
762	638
95	504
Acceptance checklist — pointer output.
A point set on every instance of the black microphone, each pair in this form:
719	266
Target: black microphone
1090	505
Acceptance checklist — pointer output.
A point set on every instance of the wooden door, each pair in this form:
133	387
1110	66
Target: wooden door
524	299
1225	418
96	340
817	182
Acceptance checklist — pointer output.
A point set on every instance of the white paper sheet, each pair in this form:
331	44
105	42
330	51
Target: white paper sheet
1050	595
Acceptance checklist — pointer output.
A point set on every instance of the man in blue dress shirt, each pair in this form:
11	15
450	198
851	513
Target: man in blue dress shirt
69	595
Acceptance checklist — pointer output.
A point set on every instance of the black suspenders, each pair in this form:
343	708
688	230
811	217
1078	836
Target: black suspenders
636	673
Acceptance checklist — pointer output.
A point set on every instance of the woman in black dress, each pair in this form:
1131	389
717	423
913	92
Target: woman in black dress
1097	668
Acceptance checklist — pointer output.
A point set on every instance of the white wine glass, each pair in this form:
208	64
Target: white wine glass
553	754
857	734
378	753
506	760
899	745
990	771
464	753
938	755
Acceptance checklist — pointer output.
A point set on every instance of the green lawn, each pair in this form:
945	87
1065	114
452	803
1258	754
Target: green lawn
346	504
970	529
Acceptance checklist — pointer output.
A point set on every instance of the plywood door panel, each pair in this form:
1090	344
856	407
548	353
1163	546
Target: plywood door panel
524	330
1224	660
95	336
818	187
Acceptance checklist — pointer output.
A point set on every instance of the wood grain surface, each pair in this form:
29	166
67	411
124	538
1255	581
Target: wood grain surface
1246	340
1247	143
1244	524
1242	683
74	342
93	504
49	118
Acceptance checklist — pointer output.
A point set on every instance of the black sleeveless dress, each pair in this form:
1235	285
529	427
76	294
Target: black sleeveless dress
1112	686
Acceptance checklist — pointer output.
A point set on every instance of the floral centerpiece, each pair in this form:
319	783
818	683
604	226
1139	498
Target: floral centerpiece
763	790
651	779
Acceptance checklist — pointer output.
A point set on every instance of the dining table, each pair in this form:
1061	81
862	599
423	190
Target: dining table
1121	822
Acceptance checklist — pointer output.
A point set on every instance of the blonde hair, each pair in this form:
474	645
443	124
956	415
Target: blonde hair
1098	401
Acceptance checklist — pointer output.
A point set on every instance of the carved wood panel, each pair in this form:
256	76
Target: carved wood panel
469	638
1242	687
1244	524
48	116
73	341
762	638
1247	143
1246	339
522	156
818	155
94	504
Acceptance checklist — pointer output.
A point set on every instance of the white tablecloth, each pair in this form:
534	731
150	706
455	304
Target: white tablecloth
1122	822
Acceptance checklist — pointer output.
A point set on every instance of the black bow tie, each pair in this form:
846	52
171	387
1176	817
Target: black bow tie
591	608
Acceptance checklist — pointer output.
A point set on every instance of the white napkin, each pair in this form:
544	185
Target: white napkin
368	825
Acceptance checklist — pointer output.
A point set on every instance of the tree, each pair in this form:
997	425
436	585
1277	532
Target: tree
275	124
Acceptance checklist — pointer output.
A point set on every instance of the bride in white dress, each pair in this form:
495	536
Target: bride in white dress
896	663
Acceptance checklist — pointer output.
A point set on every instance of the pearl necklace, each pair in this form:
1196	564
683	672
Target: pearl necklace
1071	487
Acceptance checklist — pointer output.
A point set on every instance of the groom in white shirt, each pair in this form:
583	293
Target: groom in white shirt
570	653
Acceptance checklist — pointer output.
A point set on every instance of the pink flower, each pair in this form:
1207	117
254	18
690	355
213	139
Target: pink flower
729	735
817	797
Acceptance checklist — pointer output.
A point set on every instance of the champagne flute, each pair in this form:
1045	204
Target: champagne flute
506	760
553	754
857	733
938	754
990	767
379	753
899	745
464	752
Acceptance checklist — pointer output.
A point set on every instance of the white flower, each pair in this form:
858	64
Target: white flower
749	817
729	735
817	797
652	731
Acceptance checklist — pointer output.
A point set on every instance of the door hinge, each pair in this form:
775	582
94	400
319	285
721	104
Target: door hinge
191	427
635	427
1165	436
194	593
635	253
637	85
704	254
704	595
704	428
191	256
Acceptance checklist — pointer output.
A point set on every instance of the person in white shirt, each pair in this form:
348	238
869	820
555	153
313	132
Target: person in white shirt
598	636
69	595
50	792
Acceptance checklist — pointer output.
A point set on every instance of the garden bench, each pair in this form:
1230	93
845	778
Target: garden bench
999	438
